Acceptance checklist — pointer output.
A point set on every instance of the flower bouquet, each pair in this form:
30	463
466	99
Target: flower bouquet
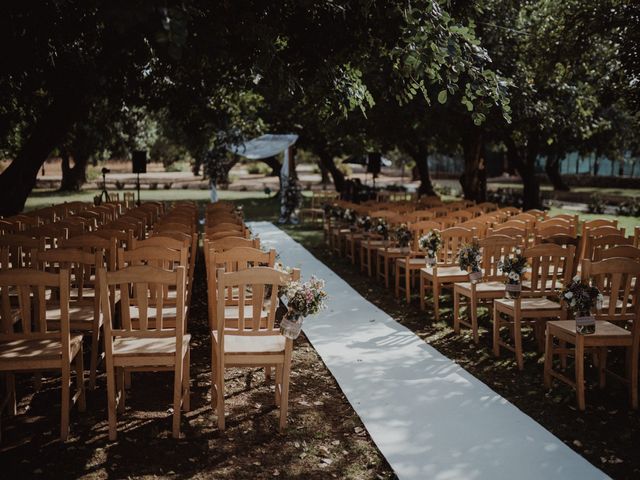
349	216
430	244
513	267
336	212
302	300
581	298
403	235
469	259
364	223
382	228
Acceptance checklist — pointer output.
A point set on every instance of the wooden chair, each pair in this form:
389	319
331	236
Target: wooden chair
620	278
36	347
84	301
551	268
595	243
597	228
145	345
620	251
495	248
446	272
250	341
409	265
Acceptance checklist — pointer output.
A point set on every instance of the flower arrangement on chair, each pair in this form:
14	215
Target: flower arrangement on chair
403	235
581	298
349	216
336	212
513	267
469	259
365	223
382	228
430	244
302	300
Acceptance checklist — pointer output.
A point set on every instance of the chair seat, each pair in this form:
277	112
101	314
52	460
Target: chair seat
135	346
252	343
603	328
452	271
481	287
413	262
531	303
24	350
77	313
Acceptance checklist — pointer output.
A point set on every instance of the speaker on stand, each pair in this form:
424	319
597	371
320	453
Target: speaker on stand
374	161
139	161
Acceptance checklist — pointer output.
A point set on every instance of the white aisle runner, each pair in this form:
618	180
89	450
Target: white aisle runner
428	416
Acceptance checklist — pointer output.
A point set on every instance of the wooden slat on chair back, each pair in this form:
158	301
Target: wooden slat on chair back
551	266
263	284
226	243
91	242
79	263
19	251
452	240
31	286
496	248
146	282
618	279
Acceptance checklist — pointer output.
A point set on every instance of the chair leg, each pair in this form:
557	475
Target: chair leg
267	373
79	367
580	372
220	396
112	395
397	281
548	359
65	404
120	385
517	339
214	377
407	284
436	299
422	288
456	312
472	306
278	384
496	331
186	381
284	400
93	366
177	397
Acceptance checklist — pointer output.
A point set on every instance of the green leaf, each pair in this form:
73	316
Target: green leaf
442	96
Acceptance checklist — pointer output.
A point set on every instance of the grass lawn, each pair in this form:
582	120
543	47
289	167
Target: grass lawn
622	192
629	223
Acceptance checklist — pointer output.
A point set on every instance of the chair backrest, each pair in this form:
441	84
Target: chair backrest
621	251
123	239
31	286
147	284
568	225
262	283
480	227
419	229
551	266
598	222
546	231
496	248
227	233
452	240
80	264
441	211
509	231
156	256
594	244
92	243
19	251
618	279
226	243
461	215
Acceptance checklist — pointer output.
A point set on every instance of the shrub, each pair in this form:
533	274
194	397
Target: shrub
596	204
168	185
346	169
629	208
181	166
153	186
119	185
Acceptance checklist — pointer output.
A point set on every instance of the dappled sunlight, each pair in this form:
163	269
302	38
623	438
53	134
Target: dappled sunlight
429	417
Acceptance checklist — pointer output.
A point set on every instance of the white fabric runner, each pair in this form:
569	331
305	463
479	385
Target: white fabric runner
264	146
430	418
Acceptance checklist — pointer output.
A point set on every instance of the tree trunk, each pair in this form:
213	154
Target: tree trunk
73	177
474	177
329	164
552	168
19	178
325	174
422	167
524	159
633	168
275	166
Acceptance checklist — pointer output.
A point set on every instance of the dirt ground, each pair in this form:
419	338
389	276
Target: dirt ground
324	438
607	434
